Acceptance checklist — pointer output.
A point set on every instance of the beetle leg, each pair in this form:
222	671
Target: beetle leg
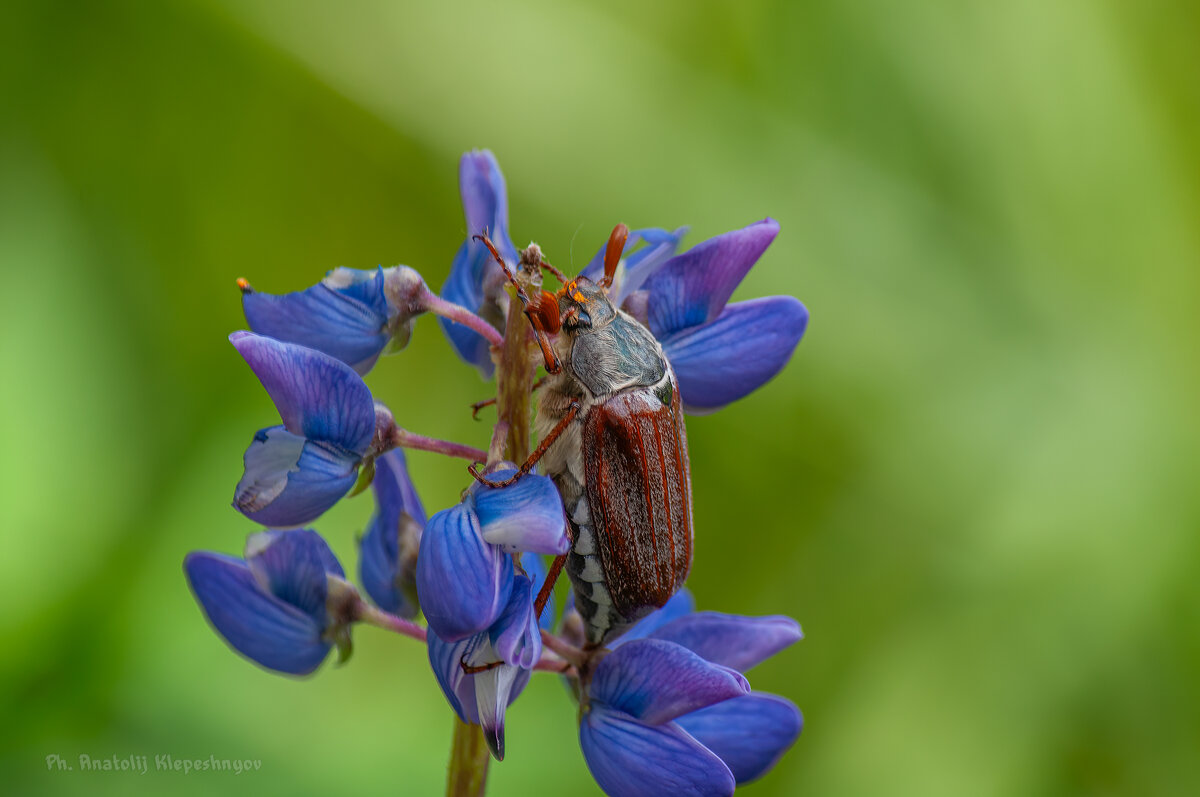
471	669
548	585
478	405
553	366
537	454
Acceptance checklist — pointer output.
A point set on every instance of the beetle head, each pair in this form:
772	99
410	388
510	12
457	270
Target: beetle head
583	305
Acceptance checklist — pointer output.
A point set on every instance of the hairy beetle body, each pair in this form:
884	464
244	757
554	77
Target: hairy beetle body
622	468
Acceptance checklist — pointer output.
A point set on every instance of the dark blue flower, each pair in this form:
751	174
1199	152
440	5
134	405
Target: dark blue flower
296	471
513	640
476	281
668	712
464	571
284	606
720	352
388	550
351	315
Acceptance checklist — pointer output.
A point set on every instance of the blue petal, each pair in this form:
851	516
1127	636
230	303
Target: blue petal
731	640
378	566
394	490
292	566
445	659
477	698
464	287
660	245
657	681
629	759
261	627
317	396
515	634
289	481
398	510
680	604
536	570
727	359
463	583
485	200
525	516
693	287
748	733
485	205
348	322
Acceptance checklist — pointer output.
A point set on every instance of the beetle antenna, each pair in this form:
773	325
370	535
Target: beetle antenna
612	253
558	275
535	320
483	238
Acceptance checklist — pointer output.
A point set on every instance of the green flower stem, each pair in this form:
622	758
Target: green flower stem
469	755
469	759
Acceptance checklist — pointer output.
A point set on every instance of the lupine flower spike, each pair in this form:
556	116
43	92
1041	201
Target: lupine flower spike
640	335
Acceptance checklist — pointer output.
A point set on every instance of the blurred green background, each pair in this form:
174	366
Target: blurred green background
974	485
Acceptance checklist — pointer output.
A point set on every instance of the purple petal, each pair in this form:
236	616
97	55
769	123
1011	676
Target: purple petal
640	263
485	200
485	204
345	319
748	733
630	759
731	640
394	490
657	681
463	582
257	625
525	516
515	634
464	287
445	658
680	604
292	566
477	698
739	352
379	567
317	396
289	481
693	287
391	535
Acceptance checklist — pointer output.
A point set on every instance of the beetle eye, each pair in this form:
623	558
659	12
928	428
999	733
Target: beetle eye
575	317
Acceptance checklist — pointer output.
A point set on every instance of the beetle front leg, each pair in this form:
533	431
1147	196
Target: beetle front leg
548	585
537	454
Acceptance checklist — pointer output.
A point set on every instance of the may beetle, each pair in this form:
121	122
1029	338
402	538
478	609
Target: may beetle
612	436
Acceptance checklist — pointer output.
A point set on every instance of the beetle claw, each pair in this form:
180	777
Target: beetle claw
473	469
471	669
478	405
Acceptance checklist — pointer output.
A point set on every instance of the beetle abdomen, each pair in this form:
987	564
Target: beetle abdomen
638	494
586	571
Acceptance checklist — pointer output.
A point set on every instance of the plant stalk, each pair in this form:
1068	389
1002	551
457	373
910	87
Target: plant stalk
469	755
